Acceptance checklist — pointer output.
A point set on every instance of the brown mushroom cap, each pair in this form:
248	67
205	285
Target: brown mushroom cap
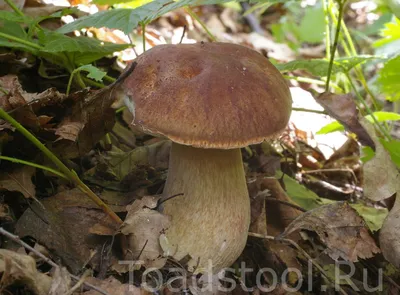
208	95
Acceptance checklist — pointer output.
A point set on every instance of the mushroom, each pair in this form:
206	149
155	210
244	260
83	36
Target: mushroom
210	100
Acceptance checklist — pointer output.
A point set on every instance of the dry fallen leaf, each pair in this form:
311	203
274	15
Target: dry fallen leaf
19	180
21	269
340	227
342	108
64	227
381	177
114	287
143	226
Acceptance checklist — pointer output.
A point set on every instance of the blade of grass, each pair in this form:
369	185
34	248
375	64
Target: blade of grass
71	175
202	24
27	163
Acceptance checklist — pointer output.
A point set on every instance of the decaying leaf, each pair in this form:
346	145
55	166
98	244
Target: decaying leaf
143	226
114	287
342	108
21	269
19	180
342	230
69	130
389	237
381	177
64	227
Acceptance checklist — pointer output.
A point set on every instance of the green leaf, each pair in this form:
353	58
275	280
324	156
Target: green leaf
312	27
12	16
319	67
389	77
301	195
393	147
380	117
367	153
331	127
93	72
128	19
390	33
374	217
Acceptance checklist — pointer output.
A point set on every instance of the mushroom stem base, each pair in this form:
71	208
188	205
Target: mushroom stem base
210	221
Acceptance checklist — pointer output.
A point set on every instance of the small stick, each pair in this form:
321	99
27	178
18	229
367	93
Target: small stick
16	239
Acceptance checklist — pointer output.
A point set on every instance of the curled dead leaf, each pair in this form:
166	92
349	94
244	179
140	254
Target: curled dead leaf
340	227
143	226
21	269
342	108
19	180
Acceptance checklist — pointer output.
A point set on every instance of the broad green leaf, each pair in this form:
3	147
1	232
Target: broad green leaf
93	72
311	28
301	195
55	42
389	77
123	3
393	147
14	29
380	117
12	16
128	19
374	217
319	67
367	153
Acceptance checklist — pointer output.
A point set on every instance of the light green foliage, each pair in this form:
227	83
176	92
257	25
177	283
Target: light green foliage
311	27
389	78
374	217
380	117
319	67
394	6
390	33
393	147
51	45
128	19
301	195
93	72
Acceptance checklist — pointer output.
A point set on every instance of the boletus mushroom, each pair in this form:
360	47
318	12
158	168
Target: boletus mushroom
210	100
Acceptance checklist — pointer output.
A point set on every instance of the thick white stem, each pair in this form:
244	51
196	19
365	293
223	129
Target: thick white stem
210	221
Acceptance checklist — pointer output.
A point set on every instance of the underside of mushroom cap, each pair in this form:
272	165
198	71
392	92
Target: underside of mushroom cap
208	95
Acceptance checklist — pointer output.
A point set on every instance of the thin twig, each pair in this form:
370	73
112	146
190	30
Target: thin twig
79	283
17	239
294	244
183	34
166	199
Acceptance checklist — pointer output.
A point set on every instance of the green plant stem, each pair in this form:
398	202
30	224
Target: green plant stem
368	109
335	44
144	36
14	7
350	50
93	83
309	111
27	163
202	24
60	165
109	78
120	110
327	29
21	41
